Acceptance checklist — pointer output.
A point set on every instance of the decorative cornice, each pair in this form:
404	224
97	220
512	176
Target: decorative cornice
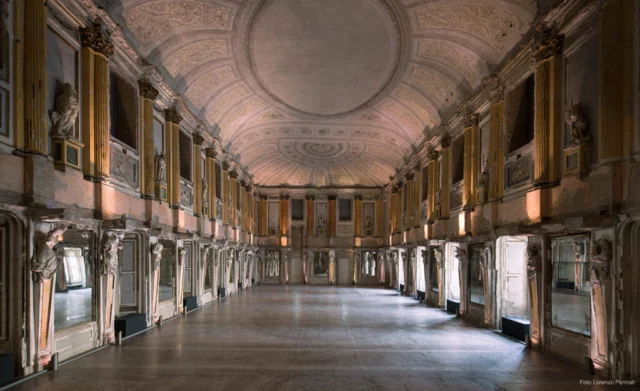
172	115
147	90
547	42
198	139
445	140
97	39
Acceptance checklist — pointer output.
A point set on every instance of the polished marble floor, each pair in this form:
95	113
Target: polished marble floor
315	338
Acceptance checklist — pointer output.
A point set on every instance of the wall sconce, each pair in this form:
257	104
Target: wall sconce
358	241
283	241
426	231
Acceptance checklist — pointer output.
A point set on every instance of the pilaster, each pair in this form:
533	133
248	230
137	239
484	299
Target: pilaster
332	215
615	82
445	191
226	216
197	174
432	185
378	225
210	175
284	214
172	149
36	138
548	121
471	160
357	215
408	217
148	95
496	123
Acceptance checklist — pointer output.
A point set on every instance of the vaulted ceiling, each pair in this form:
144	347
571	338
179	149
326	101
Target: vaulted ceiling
323	92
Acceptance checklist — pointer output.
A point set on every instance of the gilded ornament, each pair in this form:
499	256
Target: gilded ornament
147	90
97	39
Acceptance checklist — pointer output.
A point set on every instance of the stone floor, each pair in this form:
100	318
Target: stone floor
315	338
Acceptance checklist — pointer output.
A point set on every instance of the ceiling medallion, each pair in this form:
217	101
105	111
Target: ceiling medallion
320	61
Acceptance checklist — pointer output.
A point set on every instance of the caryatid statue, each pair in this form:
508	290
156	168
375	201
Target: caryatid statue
45	259
110	249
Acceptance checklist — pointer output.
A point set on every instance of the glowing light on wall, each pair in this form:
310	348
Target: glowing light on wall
358	242
426	231
461	224
283	241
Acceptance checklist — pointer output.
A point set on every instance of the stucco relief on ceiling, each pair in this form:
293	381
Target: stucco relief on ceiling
498	27
151	20
193	53
326	76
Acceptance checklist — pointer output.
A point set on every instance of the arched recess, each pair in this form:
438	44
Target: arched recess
12	289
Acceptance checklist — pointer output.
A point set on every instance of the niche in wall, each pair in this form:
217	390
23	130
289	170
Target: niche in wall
519	115
123	111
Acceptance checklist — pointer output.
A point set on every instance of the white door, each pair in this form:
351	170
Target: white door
514	283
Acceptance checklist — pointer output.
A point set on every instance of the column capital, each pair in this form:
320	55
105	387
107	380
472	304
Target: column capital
357	197
248	188
409	176
210	152
225	165
147	90
243	183
172	115
333	197
471	119
198	139
432	155
494	85
546	43
310	197
263	196
233	174
284	196
97	39
445	140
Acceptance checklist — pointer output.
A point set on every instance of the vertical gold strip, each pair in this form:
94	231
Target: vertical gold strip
35	78
88	112
378	217
615	81
147	174
263	215
332	216
466	174
445	191
197	173
101	96
175	164
18	74
169	146
475	161
226	218
496	154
